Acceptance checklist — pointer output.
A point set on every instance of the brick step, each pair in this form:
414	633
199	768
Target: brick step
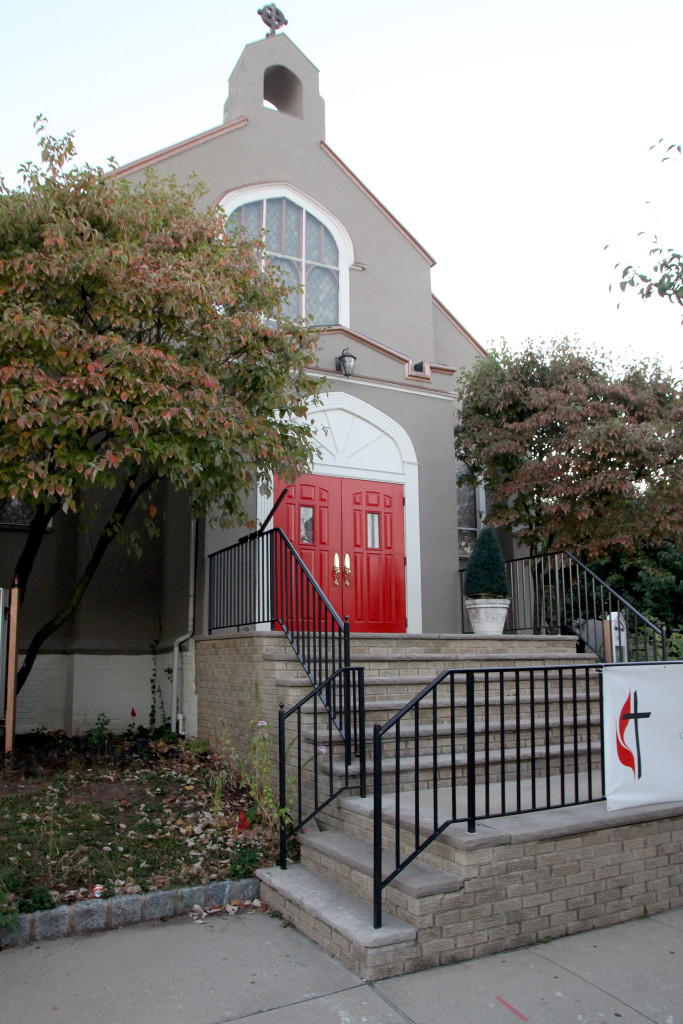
383	708
339	921
392	692
346	859
366	645
438	769
428	666
443	730
353	815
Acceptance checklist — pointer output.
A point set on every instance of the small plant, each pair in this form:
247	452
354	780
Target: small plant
39	898
485	576
245	857
254	774
217	797
674	644
8	914
195	746
156	707
99	735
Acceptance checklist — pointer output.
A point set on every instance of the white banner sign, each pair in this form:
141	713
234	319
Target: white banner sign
643	734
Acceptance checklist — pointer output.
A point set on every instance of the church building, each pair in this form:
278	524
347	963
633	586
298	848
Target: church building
380	507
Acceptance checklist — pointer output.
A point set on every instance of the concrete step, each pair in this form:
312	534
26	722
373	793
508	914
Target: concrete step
339	921
347	860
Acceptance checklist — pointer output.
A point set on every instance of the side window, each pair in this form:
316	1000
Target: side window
15	516
304	251
471	511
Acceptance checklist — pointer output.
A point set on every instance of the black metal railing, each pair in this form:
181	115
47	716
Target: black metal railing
556	593
310	736
479	744
262	579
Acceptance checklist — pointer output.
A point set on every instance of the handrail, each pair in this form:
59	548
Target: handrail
342	697
557	593
487	743
262	579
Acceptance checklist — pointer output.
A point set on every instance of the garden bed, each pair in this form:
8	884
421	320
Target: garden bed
104	816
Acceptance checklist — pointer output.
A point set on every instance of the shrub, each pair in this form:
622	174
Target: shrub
485	576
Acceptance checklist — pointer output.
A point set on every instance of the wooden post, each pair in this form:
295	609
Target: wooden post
12	652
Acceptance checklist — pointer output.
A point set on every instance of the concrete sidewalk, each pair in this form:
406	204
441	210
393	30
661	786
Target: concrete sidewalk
249	966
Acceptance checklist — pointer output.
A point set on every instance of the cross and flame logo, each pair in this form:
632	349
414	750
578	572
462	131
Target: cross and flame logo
624	752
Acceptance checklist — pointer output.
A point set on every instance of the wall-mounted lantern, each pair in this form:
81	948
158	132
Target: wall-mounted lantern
345	362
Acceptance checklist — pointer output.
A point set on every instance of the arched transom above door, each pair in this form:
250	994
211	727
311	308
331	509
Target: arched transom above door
356	439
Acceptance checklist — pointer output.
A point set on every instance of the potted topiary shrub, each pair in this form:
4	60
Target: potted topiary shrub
486	585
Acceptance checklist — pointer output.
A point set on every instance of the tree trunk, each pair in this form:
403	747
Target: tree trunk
36	533
127	501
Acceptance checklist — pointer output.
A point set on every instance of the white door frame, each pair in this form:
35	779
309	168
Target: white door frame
359	442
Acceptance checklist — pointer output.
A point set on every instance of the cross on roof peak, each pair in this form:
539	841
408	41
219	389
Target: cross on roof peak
273	17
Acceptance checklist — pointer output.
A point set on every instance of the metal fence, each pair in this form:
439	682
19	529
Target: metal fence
482	744
556	593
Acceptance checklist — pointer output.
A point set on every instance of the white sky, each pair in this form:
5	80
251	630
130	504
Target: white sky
511	137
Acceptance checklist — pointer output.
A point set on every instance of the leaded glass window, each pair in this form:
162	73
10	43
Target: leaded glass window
304	251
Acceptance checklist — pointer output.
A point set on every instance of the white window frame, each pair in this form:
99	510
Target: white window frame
276	189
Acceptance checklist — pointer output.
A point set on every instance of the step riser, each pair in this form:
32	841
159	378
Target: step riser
416	673
407	745
417	912
568	714
442	773
442	778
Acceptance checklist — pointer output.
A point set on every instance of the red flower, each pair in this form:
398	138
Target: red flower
242	822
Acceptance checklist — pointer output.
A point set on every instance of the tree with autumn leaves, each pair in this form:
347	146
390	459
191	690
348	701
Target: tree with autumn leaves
664	277
140	340
574	453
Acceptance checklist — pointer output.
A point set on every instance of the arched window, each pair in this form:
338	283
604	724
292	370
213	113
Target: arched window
305	250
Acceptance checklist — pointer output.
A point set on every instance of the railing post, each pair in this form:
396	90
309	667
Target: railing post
347	715
283	786
377	826
347	642
361	733
471	753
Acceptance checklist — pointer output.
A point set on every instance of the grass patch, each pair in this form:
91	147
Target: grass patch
132	813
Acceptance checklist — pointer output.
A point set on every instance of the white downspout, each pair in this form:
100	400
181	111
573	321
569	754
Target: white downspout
190	626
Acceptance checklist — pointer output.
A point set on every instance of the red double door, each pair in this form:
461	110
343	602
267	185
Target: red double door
350	535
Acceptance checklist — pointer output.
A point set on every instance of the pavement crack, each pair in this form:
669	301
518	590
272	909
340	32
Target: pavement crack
295	1002
598	988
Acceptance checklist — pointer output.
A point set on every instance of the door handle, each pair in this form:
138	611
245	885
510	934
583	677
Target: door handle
347	570
337	570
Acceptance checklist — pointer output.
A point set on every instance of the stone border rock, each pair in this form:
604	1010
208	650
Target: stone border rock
100	914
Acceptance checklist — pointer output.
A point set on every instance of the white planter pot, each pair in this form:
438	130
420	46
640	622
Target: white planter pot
487	614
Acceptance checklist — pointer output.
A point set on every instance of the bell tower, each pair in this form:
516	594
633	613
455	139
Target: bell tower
273	79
